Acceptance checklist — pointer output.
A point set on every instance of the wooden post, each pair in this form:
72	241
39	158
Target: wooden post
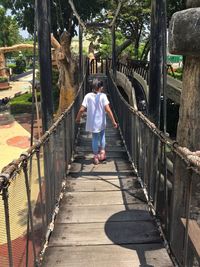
45	63
113	51
80	53
157	64
157	79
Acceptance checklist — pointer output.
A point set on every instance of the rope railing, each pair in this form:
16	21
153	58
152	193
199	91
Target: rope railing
31	188
172	194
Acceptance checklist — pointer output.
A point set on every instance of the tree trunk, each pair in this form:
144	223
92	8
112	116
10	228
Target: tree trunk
189	114
120	48
2	65
187	136
146	50
136	49
66	71
8	49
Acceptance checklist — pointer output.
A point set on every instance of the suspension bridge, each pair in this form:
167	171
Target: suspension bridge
59	209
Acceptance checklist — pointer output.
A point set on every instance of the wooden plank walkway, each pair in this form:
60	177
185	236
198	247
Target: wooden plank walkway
103	219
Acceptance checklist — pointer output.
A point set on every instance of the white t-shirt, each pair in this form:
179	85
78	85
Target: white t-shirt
96	115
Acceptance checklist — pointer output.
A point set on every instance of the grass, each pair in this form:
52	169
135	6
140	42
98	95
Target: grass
22	103
178	73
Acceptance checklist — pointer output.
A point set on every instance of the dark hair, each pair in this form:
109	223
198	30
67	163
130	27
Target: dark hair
96	84
100	84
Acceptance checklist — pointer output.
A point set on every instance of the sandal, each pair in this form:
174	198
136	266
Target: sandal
102	155
96	160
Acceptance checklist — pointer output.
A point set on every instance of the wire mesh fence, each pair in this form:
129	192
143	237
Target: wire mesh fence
30	190
170	175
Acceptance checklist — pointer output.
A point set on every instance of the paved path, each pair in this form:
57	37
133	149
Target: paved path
21	85
14	139
104	219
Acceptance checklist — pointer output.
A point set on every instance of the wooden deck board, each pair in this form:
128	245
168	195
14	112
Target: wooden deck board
153	255
107	233
89	214
93	185
99	198
103	219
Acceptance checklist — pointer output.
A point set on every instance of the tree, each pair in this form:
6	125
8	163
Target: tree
63	25
132	24
9	31
174	6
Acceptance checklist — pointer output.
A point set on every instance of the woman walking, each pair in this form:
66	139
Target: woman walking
97	105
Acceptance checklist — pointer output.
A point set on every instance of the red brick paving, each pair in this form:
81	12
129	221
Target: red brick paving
19	141
25	121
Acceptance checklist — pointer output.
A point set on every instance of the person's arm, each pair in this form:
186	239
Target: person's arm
110	114
80	113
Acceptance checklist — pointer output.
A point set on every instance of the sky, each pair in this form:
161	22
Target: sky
23	33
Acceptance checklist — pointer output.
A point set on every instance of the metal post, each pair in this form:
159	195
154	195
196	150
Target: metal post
7	221
113	51
80	53
45	62
157	58
30	214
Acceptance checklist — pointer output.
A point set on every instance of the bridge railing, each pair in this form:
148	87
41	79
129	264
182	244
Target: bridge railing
31	188
97	66
140	67
173	193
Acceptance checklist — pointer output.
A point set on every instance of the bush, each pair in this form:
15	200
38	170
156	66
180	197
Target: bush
20	66
22	103
3	79
55	89
177	75
11	65
179	70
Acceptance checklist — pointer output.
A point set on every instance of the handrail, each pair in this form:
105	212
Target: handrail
15	165
148	149
31	189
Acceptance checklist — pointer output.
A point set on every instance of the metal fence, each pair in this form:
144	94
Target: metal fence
97	66
31	188
140	67
170	175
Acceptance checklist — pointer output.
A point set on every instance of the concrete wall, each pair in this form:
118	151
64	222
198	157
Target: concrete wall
143	82
124	82
173	92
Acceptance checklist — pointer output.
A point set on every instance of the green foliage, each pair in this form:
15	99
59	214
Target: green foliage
3	79
174	6
21	104
9	30
179	70
61	13
178	74
20	66
11	65
55	88
132	24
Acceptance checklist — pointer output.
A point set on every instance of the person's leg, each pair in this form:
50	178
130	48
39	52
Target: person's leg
95	137
102	140
102	145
